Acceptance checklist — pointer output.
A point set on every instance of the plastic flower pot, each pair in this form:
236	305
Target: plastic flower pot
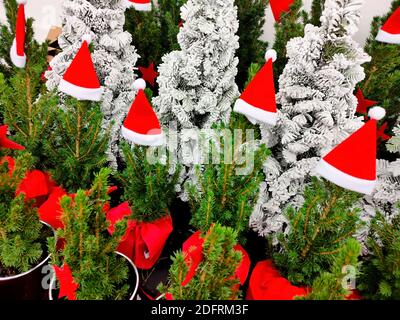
133	278
28	285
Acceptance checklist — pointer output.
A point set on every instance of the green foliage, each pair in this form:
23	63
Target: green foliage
89	249
251	15
20	228
214	278
317	8
76	147
155	33
291	25
226	190
381	271
382	80
148	187
332	285
319	231
24	103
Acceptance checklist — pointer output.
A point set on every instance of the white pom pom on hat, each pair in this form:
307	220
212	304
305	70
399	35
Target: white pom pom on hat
377	113
87	38
22	1
271	54
139	84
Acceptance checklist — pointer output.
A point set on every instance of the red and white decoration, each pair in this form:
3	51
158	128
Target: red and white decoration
352	164
258	102
17	52
279	7
139	5
80	80
141	126
390	31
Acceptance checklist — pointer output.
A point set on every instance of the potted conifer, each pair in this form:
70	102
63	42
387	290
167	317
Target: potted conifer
86	264
148	191
23	237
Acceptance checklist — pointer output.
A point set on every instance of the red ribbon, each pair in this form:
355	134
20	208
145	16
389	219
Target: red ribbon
68	287
5	142
36	186
193	251
143	242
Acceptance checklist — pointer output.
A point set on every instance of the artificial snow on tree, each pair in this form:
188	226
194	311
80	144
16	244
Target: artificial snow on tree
197	83
317	109
114	57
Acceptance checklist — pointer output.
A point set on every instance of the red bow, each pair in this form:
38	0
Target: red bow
143	242
5	142
68	287
10	163
36	186
363	104
193	251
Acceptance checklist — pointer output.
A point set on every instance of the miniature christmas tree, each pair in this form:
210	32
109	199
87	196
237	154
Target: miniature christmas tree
214	277
381	270
290	26
317	7
114	57
317	109
383	73
76	147
24	104
197	83
251	15
20	228
89	251
331	285
225	191
319	231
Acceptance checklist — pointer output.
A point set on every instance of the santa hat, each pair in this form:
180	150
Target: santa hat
390	31
139	5
280	6
17	52
352	164
80	80
141	125
258	102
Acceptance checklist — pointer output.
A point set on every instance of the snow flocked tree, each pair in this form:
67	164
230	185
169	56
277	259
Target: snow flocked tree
317	109
114	57
197	83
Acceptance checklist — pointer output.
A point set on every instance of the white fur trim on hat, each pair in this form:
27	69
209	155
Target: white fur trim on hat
345	180
18	61
22	1
80	93
377	113
142	6
253	113
151	140
271	54
139	84
387	37
87	38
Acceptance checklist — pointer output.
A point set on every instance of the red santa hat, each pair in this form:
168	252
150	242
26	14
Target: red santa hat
280	6
17	52
258	102
390	31
80	80
139	5
352	164
141	125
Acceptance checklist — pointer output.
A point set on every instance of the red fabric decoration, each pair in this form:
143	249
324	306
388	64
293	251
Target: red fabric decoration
169	297
279	7
149	74
381	135
139	5
10	162
50	211
68	287
143	242
267	284
390	31
36	185
180	25
354	295
363	104
5	142
193	251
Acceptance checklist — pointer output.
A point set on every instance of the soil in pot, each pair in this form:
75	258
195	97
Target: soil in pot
29	285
